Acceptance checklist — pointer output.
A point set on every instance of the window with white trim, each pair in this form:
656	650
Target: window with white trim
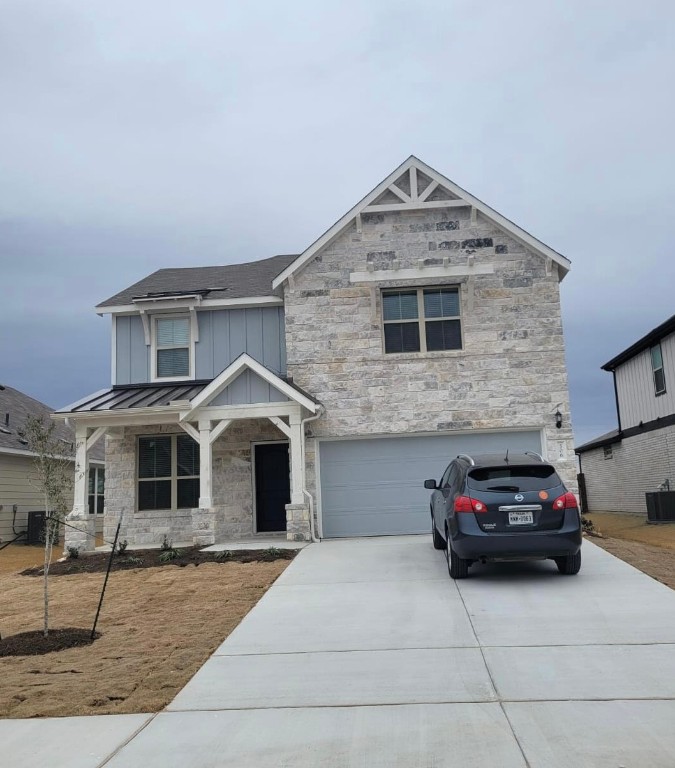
168	472
657	369
96	490
421	320
172	347
607	452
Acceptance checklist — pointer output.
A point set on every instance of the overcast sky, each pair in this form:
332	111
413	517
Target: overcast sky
140	135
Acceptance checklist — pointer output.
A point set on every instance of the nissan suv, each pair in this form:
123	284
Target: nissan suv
504	507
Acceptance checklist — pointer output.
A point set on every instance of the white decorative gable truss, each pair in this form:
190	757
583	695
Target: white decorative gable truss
415	186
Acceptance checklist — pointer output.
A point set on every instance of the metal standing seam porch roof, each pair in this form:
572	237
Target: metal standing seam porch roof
120	398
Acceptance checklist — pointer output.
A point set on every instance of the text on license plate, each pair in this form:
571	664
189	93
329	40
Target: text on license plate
521	518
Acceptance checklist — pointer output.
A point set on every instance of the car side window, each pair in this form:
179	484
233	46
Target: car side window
446	477
452	476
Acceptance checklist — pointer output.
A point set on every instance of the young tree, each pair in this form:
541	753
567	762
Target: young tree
54	472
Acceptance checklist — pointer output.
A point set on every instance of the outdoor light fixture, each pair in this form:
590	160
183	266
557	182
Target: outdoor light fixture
558	419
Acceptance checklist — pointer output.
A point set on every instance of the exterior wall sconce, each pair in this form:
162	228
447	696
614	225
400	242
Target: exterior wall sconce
558	419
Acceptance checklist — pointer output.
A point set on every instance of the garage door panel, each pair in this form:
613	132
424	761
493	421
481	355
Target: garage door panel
374	487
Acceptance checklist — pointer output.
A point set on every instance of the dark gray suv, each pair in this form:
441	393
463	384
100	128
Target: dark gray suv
504	507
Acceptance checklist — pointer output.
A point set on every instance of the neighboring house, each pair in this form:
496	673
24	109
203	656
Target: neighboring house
19	489
313	394
638	456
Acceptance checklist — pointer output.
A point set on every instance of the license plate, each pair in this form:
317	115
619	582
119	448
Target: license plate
521	518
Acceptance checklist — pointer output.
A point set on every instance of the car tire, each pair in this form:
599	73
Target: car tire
569	565
458	567
439	541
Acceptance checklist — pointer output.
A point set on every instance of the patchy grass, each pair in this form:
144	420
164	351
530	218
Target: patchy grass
634	528
158	626
649	548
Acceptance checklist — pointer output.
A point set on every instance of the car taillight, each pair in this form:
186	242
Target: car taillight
566	501
466	504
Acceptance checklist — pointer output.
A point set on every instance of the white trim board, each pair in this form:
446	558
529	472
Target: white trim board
464	199
157	306
381	275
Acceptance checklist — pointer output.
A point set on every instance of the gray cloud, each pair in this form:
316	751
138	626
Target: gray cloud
134	137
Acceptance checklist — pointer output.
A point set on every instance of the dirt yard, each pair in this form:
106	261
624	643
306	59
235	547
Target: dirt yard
651	548
158	625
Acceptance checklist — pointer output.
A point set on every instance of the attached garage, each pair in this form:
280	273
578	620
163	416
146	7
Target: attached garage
374	487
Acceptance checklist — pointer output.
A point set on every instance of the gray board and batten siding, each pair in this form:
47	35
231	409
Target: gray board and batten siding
635	386
374	487
223	335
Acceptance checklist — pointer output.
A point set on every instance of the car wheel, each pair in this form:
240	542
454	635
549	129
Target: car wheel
569	565
458	567
439	541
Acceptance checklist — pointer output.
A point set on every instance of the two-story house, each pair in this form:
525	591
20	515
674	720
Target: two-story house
638	456
313	394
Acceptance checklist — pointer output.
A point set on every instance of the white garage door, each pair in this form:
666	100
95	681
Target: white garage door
374	487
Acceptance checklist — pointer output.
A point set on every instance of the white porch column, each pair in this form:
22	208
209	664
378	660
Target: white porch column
297	470
205	465
81	485
80	528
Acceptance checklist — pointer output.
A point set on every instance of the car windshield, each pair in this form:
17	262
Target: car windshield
513	479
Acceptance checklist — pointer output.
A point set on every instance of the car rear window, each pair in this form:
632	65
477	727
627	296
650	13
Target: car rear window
535	478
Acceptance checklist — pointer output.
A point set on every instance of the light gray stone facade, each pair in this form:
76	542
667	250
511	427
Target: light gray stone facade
510	373
232	514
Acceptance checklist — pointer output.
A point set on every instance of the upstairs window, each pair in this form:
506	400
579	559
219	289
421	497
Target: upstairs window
168	472
421	320
172	347
657	370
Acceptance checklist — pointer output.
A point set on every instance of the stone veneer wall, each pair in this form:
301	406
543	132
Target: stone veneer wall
510	374
232	486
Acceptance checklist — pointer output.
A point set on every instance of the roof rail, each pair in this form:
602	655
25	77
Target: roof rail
536	455
468	458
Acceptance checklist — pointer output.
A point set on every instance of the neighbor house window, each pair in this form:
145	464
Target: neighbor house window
657	370
172	347
168	472
96	490
421	320
607	450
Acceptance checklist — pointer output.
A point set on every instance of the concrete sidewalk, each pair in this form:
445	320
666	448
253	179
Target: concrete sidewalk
365	653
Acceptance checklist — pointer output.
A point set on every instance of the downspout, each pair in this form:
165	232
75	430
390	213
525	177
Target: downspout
306	493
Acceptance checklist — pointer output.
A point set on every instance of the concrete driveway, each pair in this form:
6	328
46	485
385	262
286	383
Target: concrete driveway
365	653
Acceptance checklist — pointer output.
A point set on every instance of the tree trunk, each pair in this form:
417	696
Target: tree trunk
48	560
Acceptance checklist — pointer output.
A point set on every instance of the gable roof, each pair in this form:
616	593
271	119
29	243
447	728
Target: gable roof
20	406
648	340
231	281
234	370
400	199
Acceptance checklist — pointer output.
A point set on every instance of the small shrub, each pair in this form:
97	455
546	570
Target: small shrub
132	560
166	544
73	553
273	551
224	554
587	525
170	554
122	547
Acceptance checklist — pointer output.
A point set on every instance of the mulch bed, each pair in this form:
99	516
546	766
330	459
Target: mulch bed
34	643
155	558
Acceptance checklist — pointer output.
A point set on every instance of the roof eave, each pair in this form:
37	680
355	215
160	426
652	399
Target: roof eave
648	340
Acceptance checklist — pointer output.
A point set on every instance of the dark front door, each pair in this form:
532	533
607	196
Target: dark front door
272	486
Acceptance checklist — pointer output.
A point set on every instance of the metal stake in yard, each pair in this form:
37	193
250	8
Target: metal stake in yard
107	573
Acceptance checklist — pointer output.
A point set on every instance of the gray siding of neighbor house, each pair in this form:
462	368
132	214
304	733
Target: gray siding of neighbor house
638	464
635	386
223	335
248	388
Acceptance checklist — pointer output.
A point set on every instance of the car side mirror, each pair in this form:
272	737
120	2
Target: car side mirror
430	484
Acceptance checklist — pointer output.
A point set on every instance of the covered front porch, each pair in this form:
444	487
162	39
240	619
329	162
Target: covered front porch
192	463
